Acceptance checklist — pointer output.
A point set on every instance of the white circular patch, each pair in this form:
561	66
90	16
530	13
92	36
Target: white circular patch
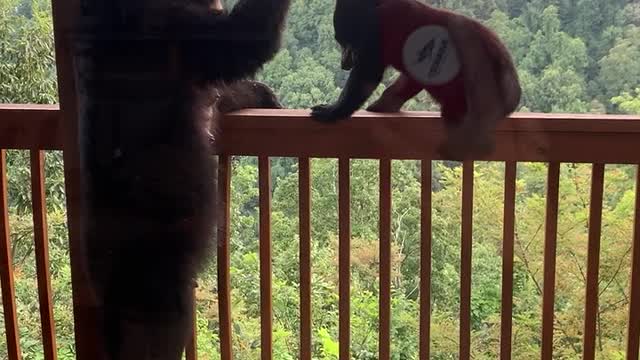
430	56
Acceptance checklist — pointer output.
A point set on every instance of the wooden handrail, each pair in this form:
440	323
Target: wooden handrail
30	127
584	138
523	137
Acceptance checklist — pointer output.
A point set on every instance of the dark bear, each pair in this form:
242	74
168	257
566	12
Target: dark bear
147	75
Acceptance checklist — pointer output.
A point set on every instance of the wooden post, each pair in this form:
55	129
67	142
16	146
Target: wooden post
65	18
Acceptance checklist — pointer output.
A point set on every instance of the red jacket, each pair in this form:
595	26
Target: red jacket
415	41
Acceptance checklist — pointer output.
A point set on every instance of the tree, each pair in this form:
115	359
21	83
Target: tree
620	69
628	102
27	71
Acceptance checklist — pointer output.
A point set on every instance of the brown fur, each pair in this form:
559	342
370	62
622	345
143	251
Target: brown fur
492	88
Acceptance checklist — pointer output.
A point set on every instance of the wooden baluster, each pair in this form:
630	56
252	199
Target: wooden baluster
425	260
304	187
551	234
6	269
224	277
39	208
266	309
344	261
507	259
465	260
593	262
633	334
384	341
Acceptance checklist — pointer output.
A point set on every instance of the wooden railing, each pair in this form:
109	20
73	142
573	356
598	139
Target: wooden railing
33	128
554	139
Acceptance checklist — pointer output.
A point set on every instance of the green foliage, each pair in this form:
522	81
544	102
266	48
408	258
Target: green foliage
620	68
572	56
27	71
628	102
